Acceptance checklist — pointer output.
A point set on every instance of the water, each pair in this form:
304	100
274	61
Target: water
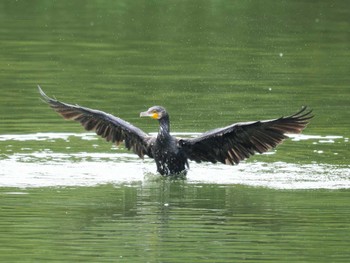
68	195
48	167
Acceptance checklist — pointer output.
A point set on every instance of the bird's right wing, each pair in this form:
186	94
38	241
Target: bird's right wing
236	142
107	126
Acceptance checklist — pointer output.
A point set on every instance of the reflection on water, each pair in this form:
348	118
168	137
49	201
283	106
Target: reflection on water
45	167
160	220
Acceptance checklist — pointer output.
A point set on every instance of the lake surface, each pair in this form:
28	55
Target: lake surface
67	195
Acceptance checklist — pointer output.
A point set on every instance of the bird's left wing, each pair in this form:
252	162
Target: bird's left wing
236	142
107	126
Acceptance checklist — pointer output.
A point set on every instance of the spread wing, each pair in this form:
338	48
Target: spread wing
107	126
236	142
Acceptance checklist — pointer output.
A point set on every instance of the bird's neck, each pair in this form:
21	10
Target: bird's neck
164	127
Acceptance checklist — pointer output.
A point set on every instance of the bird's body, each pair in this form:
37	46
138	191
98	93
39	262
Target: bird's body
168	155
228	145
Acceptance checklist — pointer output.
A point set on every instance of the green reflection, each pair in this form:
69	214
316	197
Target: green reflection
170	220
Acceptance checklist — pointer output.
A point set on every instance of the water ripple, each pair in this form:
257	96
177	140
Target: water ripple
46	168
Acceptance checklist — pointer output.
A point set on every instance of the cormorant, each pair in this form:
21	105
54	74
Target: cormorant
228	145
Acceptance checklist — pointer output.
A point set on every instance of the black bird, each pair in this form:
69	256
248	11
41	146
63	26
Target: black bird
228	145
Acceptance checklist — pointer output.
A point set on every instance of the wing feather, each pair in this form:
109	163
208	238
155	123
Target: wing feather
109	127
239	141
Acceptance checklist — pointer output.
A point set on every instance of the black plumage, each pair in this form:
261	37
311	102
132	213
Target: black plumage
228	145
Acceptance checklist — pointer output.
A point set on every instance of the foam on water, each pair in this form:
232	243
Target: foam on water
91	136
50	169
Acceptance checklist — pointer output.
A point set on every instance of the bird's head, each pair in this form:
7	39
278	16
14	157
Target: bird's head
155	112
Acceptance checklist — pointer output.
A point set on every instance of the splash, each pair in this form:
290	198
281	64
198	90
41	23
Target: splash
45	168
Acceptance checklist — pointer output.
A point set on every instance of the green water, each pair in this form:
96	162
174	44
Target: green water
68	196
164	221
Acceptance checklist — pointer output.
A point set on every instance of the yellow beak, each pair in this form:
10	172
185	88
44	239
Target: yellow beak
153	115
